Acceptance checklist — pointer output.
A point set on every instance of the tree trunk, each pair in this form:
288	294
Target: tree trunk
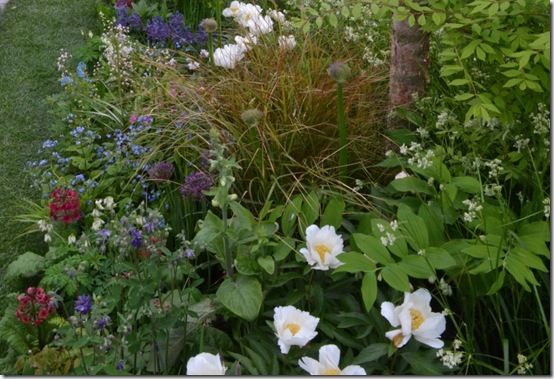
408	68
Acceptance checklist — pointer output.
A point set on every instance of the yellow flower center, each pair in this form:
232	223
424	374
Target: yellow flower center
397	339
321	251
417	318
331	371
294	328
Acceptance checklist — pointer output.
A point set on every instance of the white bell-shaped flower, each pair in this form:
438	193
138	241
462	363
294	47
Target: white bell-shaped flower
415	318
293	327
323	246
328	364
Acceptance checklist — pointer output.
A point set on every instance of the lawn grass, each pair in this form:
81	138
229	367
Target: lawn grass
32	33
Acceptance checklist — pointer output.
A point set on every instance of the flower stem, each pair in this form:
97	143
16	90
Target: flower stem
211	48
341	120
227	252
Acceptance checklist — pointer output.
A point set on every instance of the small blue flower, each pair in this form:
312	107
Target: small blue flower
136	238
120	366
66	80
48	144
81	70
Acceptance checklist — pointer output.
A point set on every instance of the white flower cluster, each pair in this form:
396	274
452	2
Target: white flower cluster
444	119
452	358
521	143
45	227
106	204
473	207
251	18
541	121
524	366
62	61
445	287
421	158
117	50
494	166
546	203
492	190
388	238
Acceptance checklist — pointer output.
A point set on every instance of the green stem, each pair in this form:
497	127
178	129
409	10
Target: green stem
218	19
211	48
228	254
341	119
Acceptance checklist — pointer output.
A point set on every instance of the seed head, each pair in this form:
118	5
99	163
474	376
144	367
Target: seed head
339	72
209	25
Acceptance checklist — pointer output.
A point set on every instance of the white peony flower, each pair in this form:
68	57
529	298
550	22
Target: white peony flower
233	10
228	56
415	318
277	16
323	246
328	364
260	25
402	175
293	327
205	364
245	43
247	13
287	43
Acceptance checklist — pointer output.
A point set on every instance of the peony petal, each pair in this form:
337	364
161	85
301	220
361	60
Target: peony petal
433	342
387	311
311	231
329	356
310	365
353	370
393	333
423	294
283	346
433	326
405	319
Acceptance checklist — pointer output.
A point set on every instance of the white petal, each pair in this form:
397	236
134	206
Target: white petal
205	364
393	333
310	365
329	356
423	294
405	320
433	342
433	326
353	370
387	311
283	346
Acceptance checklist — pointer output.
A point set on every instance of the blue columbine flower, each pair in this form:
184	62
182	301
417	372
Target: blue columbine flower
136	238
120	366
66	80
157	30
81	70
102	322
83	304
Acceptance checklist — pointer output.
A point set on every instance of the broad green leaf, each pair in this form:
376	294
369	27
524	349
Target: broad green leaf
396	278
333	21
369	290
242	296
438	18
371	353
411	184
414	227
26	265
283	249
373	248
310	208
439	258
467	184
267	263
354	262
333	212
290	215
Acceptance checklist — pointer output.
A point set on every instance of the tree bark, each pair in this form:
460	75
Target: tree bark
408	68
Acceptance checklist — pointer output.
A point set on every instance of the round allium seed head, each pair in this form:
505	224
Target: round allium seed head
251	116
209	25
339	72
161	171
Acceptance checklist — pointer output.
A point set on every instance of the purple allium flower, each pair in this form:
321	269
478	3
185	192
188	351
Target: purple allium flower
102	322
134	22
195	184
179	32
136	238
120	366
161	171
83	304
157	30
121	16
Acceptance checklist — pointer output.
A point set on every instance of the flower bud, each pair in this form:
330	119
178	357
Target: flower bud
209	25
251	116
339	72
233	197
215	203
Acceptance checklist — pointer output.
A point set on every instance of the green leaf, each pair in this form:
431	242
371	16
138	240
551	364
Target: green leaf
333	212
354	262
310	208
411	184
414	226
26	265
439	258
333	21
467	184
463	96
373	248
396	278
438	18
242	296
267	263
469	49
371	353
290	214
416	266
512	82
369	290
283	249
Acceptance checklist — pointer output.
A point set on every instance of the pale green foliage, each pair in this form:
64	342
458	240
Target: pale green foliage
25	266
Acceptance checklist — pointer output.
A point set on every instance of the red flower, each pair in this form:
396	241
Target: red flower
65	205
124	3
34	306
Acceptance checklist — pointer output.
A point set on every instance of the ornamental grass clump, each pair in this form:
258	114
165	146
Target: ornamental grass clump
295	140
